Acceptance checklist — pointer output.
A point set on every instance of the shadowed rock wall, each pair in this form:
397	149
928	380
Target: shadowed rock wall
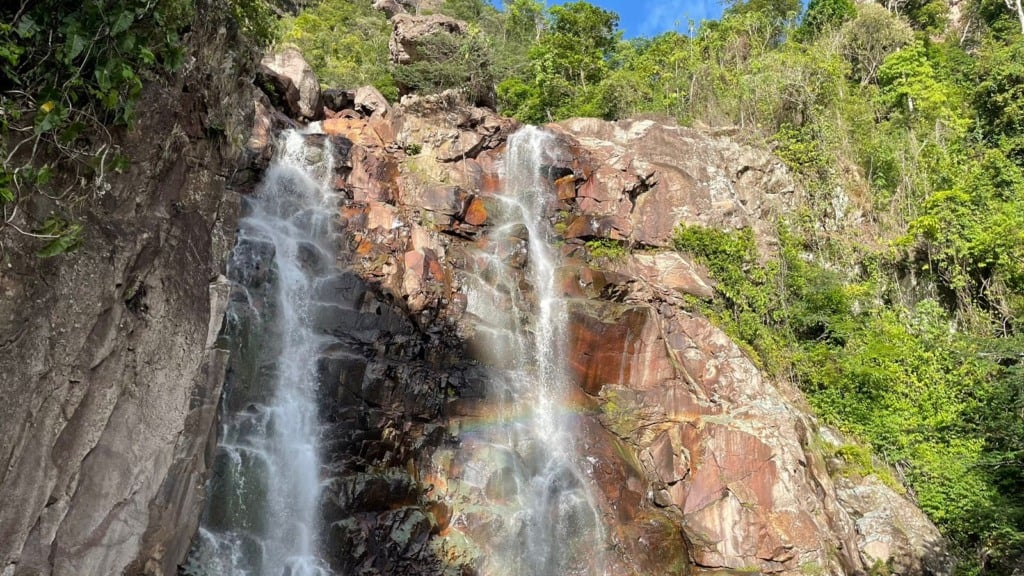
108	370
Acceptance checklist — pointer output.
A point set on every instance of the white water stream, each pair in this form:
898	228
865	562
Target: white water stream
263	516
553	527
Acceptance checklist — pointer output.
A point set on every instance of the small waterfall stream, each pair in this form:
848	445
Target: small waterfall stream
552	527
262	517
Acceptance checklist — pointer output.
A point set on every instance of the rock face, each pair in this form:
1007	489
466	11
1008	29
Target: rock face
700	463
109	369
639	180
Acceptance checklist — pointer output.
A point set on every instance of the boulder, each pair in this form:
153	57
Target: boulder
407	43
291	83
369	102
891	531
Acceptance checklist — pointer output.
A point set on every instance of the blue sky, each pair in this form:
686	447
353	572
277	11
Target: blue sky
652	17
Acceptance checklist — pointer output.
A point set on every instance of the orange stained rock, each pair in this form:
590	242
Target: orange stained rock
476	213
565	187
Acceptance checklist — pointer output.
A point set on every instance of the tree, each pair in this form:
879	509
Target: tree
567	66
870	38
777	10
825	14
580	39
346	42
1016	6
910	86
999	96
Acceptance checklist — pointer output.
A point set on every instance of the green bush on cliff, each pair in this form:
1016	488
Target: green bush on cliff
902	379
346	42
68	70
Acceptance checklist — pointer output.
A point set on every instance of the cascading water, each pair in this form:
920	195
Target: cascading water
552	527
263	507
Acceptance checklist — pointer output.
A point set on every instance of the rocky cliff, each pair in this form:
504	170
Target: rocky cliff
703	464
108	372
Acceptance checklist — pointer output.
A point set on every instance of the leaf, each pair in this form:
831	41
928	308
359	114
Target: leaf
103	79
76	44
47	122
123	22
27	27
69	237
43	176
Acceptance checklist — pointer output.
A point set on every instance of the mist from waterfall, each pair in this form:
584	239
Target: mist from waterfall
262	516
552	526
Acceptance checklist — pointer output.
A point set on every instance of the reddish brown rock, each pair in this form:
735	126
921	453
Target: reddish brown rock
666	270
659	176
476	212
700	464
622	350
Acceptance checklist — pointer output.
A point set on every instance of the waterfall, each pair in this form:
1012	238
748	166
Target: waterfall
552	526
263	504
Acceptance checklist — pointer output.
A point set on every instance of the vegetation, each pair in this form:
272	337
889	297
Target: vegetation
68	72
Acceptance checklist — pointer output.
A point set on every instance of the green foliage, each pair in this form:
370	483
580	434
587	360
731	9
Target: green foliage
899	379
823	15
462	62
606	248
871	37
257	20
910	87
974	235
999	95
68	71
858	462
567	65
750	306
773	9
64	58
468	10
346	43
63	237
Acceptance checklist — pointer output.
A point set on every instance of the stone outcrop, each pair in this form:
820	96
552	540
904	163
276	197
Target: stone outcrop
109	367
112	368
638	180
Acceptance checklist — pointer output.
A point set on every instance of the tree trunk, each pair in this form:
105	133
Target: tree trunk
1015	5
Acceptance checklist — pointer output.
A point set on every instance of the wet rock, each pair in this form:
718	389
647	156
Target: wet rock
699	462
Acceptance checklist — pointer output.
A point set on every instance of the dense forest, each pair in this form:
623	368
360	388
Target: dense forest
894	296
